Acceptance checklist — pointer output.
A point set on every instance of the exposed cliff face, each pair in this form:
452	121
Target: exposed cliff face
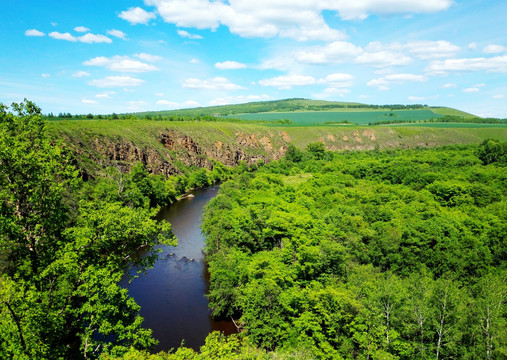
171	147
176	149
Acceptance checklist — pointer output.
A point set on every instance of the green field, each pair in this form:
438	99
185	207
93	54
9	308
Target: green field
451	125
311	118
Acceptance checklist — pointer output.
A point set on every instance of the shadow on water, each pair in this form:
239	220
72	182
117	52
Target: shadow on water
172	294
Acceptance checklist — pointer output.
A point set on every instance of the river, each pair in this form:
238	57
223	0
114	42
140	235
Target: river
172	293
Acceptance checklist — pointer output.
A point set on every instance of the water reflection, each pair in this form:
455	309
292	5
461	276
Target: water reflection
172	294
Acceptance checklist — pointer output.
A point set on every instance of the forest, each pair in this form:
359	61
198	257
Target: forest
395	254
366	255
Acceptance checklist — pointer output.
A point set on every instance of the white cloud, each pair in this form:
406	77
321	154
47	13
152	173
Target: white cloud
238	99
336	52
472	46
105	95
385	82
494	49
416	98
338	80
121	64
136	15
216	83
383	59
471	90
80	73
405	77
148	57
88	101
431	49
288	81
93	38
34	32
493	64
301	20
376	54
116	81
449	85
45	75
65	36
194	61
229	65
81	29
117	33
361	9
498	96
186	34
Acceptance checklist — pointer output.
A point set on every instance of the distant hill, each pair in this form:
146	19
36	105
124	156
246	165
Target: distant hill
298	105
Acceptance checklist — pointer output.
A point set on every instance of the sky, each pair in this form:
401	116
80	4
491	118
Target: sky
120	56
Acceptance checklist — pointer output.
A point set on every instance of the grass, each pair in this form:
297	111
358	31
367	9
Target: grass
256	141
356	116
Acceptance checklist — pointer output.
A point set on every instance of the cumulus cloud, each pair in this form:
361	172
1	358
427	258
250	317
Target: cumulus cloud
121	64
498	96
194	61
431	49
186	34
494	49
361	9
81	29
383	59
62	36
88	101
333	53
288	81
385	83
93	38
337	80
116	81
117	33
87	38
105	95
229	65
416	98
80	74
34	32
471	90
301	20
493	64
45	75
136	15
449	85
148	57
216	83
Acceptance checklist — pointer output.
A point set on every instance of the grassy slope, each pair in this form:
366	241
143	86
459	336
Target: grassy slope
288	105
146	133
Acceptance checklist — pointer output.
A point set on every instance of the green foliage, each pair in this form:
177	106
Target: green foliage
386	255
62	254
492	151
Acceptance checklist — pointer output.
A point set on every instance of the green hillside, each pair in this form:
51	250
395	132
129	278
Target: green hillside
298	105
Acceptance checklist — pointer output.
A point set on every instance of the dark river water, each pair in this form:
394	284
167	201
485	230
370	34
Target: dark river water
172	294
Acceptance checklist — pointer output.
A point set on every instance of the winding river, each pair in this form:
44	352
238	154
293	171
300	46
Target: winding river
172	294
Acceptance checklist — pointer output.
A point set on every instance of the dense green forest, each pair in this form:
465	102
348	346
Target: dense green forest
366	255
395	254
65	244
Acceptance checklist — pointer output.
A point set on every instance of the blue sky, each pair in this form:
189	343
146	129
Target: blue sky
99	56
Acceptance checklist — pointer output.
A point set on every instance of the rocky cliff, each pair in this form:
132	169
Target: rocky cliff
171	147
